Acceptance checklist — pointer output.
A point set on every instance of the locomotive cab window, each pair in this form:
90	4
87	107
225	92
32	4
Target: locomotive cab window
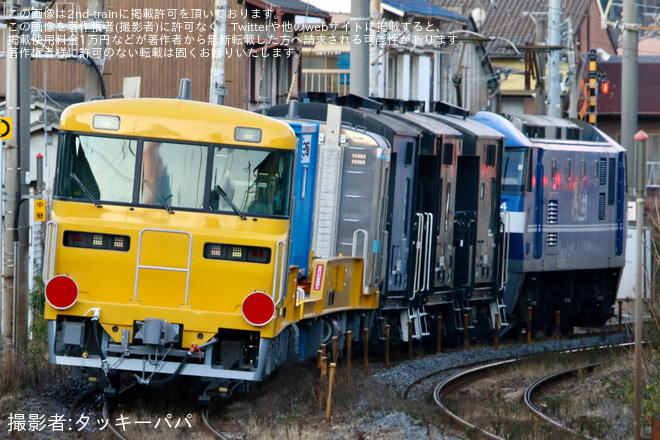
250	181
172	175
515	170
96	168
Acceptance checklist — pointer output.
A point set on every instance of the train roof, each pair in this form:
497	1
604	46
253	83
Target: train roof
422	121
543	120
434	132
177	119
373	121
380	140
467	126
378	122
514	137
591	137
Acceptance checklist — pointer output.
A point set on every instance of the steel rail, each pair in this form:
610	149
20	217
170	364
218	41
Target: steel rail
207	422
458	380
107	408
543	382
447	386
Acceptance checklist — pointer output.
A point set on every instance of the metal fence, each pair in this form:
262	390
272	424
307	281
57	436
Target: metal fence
326	80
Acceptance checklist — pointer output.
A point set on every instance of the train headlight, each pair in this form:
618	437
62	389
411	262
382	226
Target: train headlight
232	252
245	134
258	309
93	240
61	292
106	122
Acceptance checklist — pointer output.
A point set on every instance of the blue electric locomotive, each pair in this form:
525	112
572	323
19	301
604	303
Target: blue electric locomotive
563	201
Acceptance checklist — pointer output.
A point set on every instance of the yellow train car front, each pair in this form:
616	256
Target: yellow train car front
168	241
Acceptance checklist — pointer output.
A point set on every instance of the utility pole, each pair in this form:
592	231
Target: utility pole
375	62
629	108
10	194
17	162
23	245
359	57
629	85
554	40
218	90
95	26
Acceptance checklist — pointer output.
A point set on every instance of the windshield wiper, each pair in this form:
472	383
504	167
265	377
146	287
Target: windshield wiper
230	203
85	190
162	201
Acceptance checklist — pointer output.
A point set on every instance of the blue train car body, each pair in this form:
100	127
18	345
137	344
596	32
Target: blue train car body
303	193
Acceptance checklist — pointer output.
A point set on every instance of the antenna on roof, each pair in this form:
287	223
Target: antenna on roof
293	109
184	89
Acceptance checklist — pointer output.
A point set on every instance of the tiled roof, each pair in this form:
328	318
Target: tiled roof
423	8
65	99
510	18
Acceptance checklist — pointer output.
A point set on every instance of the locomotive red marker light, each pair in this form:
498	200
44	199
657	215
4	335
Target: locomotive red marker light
258	309
319	277
61	292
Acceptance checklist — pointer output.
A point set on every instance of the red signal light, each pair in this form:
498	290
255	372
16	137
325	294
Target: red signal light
605	87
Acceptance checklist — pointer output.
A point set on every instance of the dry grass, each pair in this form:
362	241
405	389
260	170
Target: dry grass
20	370
12	371
285	405
586	402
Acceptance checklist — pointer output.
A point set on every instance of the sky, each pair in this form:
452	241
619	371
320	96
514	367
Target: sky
332	5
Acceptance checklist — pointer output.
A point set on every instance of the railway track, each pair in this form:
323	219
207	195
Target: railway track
206	418
208	424
120	431
463	380
458	381
107	414
544	382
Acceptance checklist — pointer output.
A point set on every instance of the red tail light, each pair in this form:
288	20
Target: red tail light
61	292
258	309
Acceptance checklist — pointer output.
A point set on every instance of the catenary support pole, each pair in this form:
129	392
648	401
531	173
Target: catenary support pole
94	28
359	56
218	90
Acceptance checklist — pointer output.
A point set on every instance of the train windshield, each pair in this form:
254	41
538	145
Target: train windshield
91	167
514	170
253	181
173	175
